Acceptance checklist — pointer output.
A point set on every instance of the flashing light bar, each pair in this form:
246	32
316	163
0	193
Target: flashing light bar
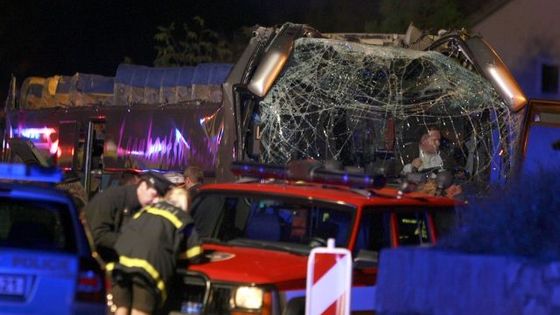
308	170
348	179
250	169
33	173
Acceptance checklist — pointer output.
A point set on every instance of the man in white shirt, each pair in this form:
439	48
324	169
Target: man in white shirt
428	156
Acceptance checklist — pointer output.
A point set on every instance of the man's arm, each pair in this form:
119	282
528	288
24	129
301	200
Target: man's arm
100	214
412	166
191	248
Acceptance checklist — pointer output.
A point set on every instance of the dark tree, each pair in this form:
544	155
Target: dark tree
428	15
191	45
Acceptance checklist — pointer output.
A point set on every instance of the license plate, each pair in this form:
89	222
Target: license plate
12	285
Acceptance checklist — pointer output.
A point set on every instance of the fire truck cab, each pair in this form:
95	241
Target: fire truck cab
258	233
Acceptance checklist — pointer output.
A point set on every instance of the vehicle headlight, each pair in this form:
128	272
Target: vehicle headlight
249	297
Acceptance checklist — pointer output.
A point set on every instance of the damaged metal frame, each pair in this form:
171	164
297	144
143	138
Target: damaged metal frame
266	56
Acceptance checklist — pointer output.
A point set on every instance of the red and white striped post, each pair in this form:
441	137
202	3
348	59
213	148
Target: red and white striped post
329	281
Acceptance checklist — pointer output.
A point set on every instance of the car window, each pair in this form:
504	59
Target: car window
374	232
271	219
446	222
40	225
412	228
541	153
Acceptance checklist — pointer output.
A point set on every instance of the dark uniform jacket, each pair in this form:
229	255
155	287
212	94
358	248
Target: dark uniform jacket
193	191
151	243
106	213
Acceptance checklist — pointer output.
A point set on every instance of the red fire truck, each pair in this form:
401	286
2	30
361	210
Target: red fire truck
259	231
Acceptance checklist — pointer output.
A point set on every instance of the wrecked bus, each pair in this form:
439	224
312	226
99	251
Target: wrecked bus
365	100
360	99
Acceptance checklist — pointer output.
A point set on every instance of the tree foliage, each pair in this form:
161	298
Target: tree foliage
190	45
396	15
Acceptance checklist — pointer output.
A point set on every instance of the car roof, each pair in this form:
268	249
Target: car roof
42	192
332	193
34	191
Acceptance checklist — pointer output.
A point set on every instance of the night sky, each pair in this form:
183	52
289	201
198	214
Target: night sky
68	36
45	38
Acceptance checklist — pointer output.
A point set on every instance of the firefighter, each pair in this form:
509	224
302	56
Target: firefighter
148	249
110	209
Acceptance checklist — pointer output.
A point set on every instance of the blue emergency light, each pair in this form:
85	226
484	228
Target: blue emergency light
309	171
33	173
257	170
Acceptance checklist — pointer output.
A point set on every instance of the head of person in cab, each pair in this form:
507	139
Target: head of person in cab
152	186
193	176
431	141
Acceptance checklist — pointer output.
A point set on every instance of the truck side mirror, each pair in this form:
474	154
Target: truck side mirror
494	69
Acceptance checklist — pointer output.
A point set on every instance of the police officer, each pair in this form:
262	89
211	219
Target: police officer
110	209
148	247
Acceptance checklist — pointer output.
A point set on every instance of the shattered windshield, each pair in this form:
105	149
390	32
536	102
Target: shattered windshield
369	106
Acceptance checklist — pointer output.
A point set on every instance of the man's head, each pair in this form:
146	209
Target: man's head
430	141
193	175
152	185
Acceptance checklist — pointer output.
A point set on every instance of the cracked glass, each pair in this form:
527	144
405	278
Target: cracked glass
368	106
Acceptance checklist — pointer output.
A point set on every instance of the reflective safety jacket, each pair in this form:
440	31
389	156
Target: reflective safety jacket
153	240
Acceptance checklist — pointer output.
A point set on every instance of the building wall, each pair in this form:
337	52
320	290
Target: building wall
437	282
526	34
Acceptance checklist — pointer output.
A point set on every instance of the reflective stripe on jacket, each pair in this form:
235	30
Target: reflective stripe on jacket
153	240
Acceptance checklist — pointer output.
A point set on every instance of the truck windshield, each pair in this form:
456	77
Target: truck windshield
271	221
370	105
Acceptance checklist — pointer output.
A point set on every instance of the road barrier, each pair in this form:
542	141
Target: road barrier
329	281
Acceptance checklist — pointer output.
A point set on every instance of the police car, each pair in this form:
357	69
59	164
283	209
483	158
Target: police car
46	264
